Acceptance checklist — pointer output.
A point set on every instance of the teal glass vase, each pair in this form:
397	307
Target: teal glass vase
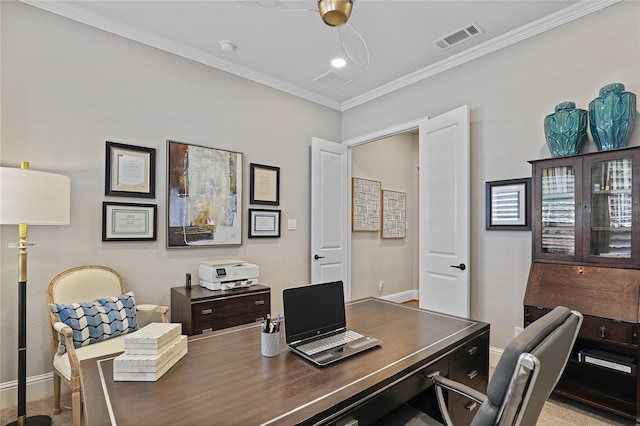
612	116
565	129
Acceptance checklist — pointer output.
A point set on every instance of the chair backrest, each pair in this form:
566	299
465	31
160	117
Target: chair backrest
529	369
81	284
85	284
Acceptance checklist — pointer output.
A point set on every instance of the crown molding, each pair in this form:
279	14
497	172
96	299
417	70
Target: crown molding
568	14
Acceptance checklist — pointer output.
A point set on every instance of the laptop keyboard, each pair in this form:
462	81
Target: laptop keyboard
329	342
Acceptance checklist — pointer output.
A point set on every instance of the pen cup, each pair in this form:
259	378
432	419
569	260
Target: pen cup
270	344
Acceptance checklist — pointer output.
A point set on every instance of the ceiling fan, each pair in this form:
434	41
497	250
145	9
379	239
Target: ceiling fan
334	13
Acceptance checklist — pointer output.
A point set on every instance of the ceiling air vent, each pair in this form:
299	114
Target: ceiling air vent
332	80
458	36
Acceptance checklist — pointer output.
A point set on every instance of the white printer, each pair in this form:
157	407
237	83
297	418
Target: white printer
227	274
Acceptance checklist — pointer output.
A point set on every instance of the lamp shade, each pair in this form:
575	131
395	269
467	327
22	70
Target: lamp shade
33	197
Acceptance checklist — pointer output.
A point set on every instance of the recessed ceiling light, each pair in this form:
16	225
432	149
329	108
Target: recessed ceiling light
338	63
227	46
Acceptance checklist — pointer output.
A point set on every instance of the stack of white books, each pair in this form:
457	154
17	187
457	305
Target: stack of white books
150	352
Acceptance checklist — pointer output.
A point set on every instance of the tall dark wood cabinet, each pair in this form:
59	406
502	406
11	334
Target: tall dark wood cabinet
586	256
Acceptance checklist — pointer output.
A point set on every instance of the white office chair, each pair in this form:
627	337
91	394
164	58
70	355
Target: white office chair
528	370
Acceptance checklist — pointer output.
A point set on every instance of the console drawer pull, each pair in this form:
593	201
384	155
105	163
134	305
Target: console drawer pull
259	302
260	319
207	330
207	311
603	331
472	351
472	375
471	406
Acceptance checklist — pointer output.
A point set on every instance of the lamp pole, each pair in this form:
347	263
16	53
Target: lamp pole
22	245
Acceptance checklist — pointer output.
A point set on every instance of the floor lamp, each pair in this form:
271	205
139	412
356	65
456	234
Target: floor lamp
30	197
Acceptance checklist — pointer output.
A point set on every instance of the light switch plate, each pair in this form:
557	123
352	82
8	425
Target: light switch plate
292	224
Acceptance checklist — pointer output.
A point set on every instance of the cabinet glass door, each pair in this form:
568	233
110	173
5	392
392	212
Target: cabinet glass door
611	208
558	210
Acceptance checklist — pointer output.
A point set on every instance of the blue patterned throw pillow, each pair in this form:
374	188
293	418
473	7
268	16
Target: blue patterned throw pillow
95	321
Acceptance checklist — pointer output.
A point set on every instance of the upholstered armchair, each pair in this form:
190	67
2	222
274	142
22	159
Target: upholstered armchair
90	315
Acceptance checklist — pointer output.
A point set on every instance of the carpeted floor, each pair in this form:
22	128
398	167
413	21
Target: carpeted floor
557	412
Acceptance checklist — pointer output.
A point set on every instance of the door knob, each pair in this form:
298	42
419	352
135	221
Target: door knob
461	266
316	257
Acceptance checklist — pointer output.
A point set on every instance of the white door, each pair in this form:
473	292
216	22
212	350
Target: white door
444	213
330	213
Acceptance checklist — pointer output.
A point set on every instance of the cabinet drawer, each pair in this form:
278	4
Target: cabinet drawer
595	328
229	307
218	324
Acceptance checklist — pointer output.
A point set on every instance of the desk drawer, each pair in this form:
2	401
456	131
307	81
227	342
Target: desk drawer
469	363
205	312
464	410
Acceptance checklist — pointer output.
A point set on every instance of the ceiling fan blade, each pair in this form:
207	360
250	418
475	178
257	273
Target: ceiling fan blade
277	4
353	45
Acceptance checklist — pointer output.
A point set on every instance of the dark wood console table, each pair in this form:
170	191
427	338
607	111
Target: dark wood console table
224	379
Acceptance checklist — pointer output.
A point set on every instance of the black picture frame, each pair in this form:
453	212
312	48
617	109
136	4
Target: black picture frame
130	171
508	205
129	221
264	185
264	223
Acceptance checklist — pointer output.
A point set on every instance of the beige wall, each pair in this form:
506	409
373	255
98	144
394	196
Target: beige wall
509	92
66	89
393	162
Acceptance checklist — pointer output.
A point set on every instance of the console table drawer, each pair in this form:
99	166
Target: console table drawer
229	307
207	327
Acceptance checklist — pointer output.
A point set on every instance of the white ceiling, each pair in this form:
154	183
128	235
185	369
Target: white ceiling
287	49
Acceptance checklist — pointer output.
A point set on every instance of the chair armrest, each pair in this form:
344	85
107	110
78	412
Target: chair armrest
67	333
162	310
459	388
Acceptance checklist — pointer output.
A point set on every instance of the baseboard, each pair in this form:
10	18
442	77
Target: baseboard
402	297
38	387
494	356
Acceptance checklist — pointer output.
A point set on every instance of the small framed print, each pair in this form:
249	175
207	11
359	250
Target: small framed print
128	222
130	171
264	223
508	205
265	185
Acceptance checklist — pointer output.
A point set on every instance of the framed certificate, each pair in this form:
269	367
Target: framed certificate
130	171
265	184
264	223
128	222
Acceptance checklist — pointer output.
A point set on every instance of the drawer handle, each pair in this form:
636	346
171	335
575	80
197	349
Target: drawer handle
472	375
207	311
207	330
472	351
260	319
471	406
603	331
259	302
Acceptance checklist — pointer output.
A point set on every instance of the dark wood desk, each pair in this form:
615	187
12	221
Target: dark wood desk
225	380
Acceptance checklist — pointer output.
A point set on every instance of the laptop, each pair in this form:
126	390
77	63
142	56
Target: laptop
315	324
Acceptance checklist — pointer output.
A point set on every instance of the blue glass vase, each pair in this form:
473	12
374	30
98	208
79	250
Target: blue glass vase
565	129
612	116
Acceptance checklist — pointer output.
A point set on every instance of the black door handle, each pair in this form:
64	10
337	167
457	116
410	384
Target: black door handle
461	266
316	257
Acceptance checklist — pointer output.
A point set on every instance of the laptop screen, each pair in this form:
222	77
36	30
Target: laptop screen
313	310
